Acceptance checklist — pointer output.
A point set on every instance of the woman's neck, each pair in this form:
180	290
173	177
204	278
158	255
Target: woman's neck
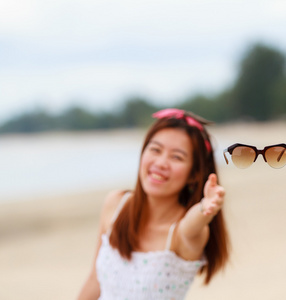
163	210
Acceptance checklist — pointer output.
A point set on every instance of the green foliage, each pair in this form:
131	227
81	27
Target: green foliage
29	122
279	100
136	113
76	118
255	92
203	106
258	93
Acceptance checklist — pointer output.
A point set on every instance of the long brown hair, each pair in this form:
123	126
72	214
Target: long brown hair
125	233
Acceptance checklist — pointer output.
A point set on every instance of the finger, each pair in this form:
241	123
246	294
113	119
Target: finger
221	192
217	200
216	203
209	183
212	179
210	212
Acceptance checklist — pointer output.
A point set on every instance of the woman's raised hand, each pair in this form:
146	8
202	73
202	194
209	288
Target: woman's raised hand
213	196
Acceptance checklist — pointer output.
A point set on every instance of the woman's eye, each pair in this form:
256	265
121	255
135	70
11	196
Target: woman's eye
177	157
154	149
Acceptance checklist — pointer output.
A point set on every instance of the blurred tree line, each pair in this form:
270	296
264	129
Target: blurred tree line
258	94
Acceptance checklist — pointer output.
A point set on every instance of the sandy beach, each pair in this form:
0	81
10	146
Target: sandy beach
47	243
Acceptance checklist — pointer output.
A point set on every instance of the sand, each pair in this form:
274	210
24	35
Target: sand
47	243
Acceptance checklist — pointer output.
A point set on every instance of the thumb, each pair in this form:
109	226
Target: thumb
212	179
211	182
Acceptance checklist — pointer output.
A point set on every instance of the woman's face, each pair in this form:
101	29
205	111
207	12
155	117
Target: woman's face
166	163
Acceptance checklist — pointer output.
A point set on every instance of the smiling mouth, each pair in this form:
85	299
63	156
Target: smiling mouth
157	177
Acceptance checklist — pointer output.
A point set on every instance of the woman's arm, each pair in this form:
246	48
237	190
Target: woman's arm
193	231
91	288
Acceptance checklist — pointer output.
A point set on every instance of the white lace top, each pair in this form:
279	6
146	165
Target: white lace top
158	275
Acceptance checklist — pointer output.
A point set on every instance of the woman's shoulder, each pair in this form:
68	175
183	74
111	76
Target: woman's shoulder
110	205
113	199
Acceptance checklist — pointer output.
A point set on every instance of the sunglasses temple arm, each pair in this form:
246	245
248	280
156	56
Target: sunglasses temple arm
225	155
280	155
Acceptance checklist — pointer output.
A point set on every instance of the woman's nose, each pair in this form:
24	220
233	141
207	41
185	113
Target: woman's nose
162	161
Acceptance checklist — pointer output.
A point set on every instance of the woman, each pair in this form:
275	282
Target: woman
154	240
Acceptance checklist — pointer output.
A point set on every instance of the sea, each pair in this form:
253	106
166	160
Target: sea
58	163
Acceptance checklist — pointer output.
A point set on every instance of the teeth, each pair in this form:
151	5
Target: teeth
157	176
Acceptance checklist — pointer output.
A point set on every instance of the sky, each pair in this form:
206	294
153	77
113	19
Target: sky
98	53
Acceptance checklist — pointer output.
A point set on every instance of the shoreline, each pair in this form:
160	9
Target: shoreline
56	143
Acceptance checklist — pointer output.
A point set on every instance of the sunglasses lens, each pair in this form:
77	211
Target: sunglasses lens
243	157
276	157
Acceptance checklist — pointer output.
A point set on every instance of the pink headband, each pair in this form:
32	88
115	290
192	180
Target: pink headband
181	114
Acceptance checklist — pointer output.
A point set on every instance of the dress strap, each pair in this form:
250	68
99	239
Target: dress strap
118	209
120	206
170	236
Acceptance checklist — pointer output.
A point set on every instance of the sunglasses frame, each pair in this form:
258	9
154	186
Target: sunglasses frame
257	151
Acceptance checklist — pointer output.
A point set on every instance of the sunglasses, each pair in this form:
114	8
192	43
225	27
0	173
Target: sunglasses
244	155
